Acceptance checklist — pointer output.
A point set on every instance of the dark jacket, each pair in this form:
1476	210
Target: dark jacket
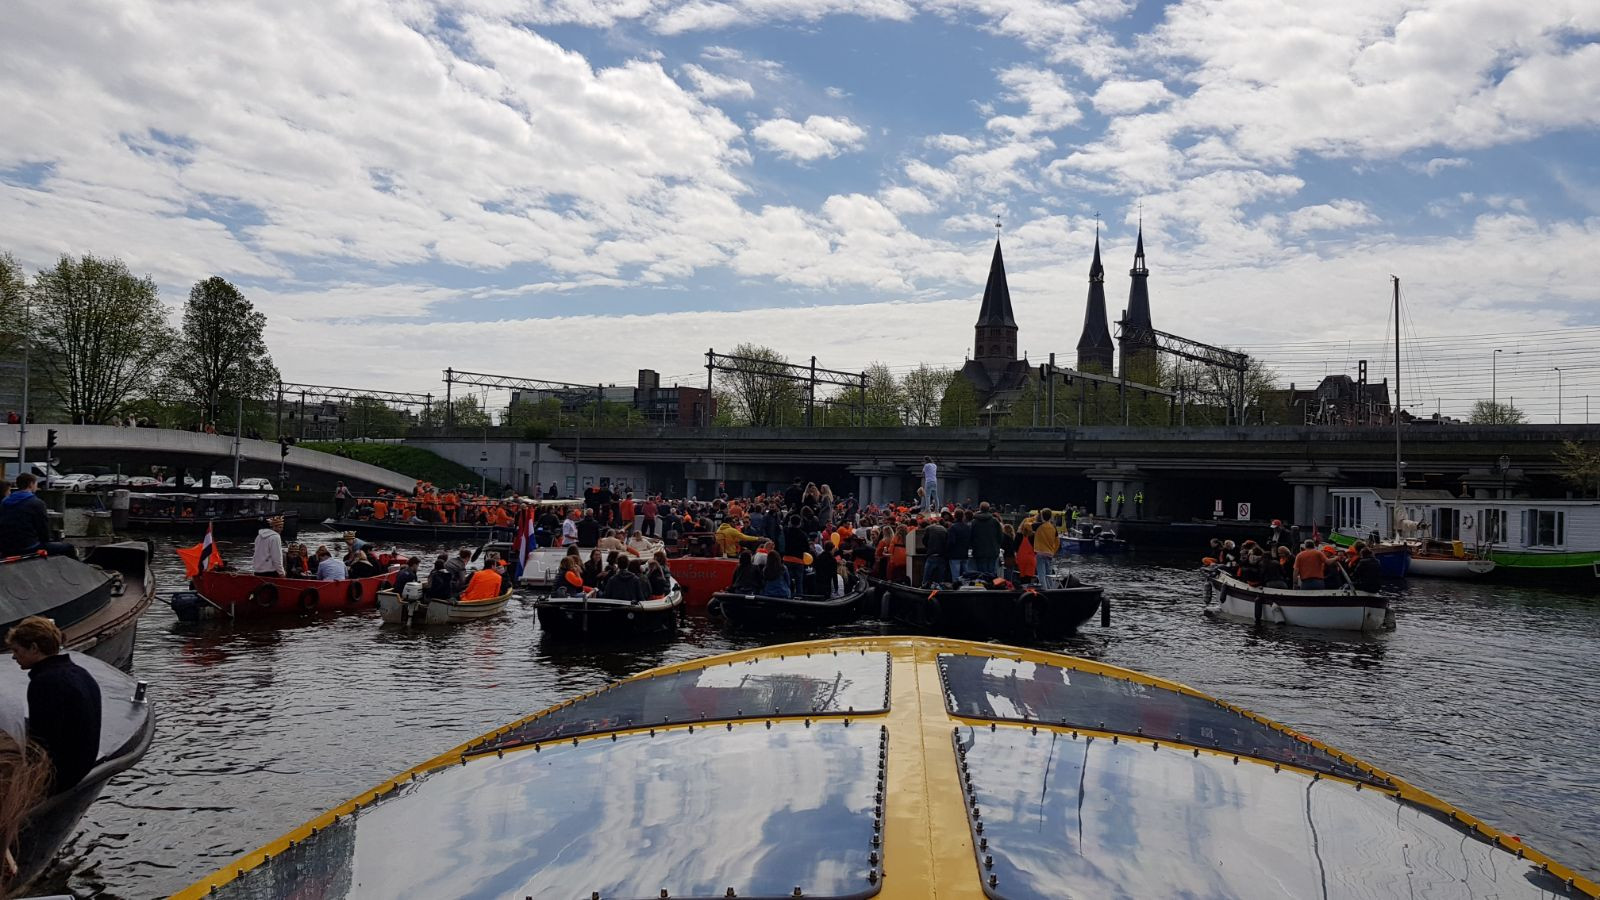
24	523
986	536
64	718
441	583
1367	575
958	544
402	578
625	585
935	538
588	532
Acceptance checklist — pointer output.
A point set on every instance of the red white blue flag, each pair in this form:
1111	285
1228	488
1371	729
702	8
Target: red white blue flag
524	544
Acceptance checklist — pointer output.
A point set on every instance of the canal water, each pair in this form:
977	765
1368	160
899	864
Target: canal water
1485	695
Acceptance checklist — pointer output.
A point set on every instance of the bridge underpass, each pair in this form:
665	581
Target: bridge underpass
133	451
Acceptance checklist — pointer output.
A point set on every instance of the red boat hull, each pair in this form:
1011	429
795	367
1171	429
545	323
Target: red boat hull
701	577
251	596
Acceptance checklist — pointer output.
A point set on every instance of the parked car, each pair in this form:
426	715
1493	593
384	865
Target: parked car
187	482
220	481
143	481
256	484
112	480
76	481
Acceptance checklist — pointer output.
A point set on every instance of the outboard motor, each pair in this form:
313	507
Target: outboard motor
412	592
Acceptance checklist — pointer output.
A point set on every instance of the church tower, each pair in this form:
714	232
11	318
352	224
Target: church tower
995	341
1138	345
1094	346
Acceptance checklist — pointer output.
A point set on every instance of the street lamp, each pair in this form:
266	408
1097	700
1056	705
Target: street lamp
1494	366
1558	395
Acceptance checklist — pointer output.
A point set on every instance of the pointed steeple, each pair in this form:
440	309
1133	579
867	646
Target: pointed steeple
995	336
996	309
1137	348
1094	345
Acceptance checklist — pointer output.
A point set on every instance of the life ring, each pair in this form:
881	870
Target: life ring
264	595
355	592
1466	521
309	598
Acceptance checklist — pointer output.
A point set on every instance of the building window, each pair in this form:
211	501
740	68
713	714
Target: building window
1493	526
1548	527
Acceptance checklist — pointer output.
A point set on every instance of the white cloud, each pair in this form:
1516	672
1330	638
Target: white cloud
816	137
1334	216
1439	163
834	92
1050	106
906	200
1119	97
713	86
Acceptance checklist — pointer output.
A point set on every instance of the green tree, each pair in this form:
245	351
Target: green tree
1490	412
102	332
369	417
959	406
220	355
13	288
461	412
923	389
1580	467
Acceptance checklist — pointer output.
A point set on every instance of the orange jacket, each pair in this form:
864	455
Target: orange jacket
484	585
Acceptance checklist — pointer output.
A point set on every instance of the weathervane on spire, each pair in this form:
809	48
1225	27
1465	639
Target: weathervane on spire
997	226
1097	224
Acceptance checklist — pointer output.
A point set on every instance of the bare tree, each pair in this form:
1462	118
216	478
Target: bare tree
1580	467
102	331
758	392
1212	391
1490	412
923	389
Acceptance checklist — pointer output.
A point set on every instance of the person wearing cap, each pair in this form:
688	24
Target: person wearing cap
267	560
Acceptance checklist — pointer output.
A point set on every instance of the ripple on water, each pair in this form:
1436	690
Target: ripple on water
1484	695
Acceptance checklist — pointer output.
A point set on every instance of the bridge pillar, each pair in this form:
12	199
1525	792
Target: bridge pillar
1311	495
689	488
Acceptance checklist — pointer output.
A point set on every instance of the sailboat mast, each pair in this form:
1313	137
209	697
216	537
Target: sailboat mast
1399	467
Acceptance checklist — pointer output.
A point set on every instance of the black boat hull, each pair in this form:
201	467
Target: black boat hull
430	533
221	526
753	609
973	612
570	617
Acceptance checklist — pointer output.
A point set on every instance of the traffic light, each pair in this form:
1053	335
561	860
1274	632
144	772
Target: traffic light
50	444
283	447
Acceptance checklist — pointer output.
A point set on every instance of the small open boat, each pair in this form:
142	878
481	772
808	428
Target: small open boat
1337	609
1447	559
754	609
975	610
420	610
1090	538
96	602
898	767
238	595
127	725
585	614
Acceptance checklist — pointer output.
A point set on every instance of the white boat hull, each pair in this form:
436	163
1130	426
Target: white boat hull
1333	610
396	611
1437	567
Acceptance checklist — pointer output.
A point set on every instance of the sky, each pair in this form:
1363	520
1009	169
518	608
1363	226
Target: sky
576	189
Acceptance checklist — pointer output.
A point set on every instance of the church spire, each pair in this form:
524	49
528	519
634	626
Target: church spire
1137	348
1094	346
995	336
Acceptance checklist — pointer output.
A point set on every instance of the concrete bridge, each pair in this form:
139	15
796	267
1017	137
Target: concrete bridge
136	450
1284	472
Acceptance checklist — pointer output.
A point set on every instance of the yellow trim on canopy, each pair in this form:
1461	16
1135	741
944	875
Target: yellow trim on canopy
927	845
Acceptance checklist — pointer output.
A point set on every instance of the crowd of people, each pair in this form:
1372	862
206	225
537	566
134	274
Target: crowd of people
1309	567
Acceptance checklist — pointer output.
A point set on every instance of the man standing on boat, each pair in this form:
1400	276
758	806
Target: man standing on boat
930	483
341	500
267	561
63	701
986	537
1046	543
1310	567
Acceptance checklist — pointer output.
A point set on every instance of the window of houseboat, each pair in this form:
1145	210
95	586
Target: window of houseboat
1494	526
1446	524
1548	527
1348	511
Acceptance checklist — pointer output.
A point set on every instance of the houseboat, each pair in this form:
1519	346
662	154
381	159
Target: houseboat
226	514
1527	539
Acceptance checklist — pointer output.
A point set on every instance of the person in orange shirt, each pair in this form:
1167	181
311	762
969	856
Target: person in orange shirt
380	509
485	583
450	502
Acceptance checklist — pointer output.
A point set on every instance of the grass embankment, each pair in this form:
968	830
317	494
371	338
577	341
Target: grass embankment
413	462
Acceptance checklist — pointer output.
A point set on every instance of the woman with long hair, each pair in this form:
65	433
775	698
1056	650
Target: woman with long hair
24	781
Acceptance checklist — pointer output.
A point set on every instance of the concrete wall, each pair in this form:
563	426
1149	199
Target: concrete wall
521	464
135	450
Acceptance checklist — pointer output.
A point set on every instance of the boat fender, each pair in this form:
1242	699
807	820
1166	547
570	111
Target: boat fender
264	595
931	611
1466	521
356	591
1276	617
1210	590
309	598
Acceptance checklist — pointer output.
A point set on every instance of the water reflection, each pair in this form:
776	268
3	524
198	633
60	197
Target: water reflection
1484	694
